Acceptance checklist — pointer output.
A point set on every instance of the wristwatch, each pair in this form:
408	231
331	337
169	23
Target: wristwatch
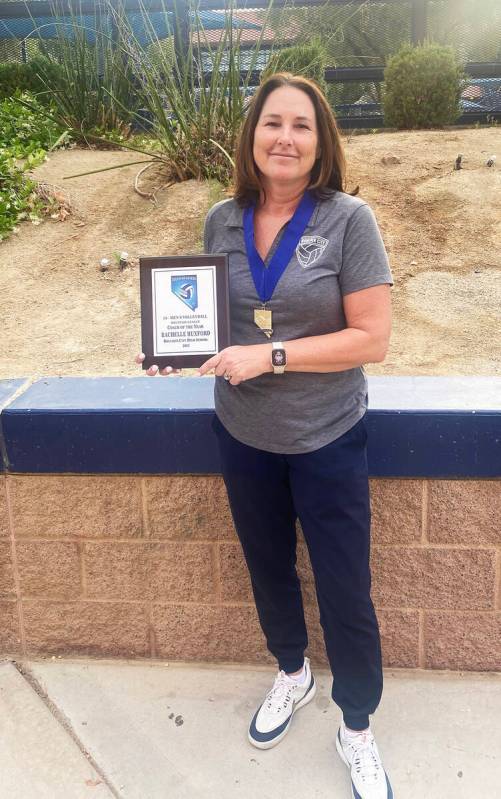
278	357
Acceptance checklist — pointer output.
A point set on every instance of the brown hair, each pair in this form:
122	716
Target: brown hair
329	171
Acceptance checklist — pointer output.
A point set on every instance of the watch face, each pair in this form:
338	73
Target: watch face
278	357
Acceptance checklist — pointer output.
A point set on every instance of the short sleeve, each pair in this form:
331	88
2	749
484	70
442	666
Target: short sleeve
211	225
364	258
207	233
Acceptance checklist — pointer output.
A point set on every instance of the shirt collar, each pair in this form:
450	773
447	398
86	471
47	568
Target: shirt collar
235	217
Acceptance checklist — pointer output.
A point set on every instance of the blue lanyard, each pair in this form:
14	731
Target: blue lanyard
266	278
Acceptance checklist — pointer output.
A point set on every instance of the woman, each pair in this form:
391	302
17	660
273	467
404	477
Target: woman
310	304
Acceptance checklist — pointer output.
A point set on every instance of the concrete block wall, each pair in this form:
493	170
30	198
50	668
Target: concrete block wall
150	567
116	538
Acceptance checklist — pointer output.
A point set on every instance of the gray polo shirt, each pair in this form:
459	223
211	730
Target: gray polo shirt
341	251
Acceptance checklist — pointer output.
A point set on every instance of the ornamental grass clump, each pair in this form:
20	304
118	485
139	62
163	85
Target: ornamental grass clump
84	73
309	60
422	87
193	87
181	76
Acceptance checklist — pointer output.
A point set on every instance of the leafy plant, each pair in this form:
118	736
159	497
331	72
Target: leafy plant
15	192
24	141
422	87
21	128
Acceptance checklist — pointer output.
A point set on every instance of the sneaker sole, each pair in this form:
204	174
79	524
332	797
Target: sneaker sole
274	741
340	751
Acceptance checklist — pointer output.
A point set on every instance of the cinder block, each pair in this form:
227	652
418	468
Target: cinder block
498	590
10	637
117	629
49	569
182	572
396	509
79	506
189	507
204	632
469	641
433	578
4	517
116	570
7	589
134	571
399	631
465	512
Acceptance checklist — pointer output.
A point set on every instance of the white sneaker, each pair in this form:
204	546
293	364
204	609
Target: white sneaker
368	777
272	720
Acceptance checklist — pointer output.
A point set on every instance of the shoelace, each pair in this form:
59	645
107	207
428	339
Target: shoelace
281	693
364	759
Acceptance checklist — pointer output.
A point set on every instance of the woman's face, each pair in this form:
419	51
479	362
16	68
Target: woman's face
286	139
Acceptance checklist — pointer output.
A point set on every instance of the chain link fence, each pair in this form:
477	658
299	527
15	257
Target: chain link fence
358	36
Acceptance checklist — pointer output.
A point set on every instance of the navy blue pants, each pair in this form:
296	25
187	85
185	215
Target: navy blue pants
328	490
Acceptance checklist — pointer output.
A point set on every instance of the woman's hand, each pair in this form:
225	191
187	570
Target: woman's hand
241	362
153	370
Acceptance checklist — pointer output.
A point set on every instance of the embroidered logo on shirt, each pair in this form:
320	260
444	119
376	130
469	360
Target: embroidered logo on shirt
310	248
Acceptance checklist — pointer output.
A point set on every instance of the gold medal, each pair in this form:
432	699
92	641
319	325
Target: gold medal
262	318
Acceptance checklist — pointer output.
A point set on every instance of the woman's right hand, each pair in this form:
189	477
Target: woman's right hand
153	369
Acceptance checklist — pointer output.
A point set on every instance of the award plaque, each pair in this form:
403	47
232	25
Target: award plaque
185	317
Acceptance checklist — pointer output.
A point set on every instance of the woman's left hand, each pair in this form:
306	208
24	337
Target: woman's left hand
241	362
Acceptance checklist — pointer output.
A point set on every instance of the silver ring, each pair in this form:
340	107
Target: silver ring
227	376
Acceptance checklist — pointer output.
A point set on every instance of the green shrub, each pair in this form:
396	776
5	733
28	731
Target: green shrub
308	60
24	139
422	87
22	131
16	78
16	194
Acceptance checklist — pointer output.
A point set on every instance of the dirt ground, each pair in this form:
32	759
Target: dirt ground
62	316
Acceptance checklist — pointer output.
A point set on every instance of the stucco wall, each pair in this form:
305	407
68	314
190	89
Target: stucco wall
135	566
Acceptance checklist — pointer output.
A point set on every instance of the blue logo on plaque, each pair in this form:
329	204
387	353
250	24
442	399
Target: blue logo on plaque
185	287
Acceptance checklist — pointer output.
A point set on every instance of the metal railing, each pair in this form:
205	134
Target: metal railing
359	35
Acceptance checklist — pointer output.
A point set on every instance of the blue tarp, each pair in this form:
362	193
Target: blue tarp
47	27
159	25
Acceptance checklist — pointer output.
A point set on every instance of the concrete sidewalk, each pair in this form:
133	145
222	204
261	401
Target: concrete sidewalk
80	728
